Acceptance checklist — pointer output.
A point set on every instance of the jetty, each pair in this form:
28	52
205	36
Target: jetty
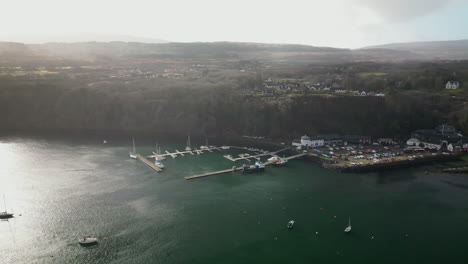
234	168
148	163
178	153
266	153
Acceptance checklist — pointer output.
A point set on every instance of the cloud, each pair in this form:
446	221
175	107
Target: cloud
396	11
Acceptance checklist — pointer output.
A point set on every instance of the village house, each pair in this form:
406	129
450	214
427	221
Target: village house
307	141
452	85
385	141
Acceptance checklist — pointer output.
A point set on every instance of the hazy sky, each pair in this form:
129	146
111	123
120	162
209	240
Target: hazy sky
337	23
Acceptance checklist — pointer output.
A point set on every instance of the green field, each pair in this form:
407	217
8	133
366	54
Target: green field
372	74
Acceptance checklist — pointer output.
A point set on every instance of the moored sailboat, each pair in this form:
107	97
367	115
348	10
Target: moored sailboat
133	154
348	228
187	148
5	215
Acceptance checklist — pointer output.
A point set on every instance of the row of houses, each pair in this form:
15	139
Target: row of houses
333	139
443	137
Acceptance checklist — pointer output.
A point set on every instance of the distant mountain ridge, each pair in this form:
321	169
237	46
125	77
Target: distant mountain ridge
77	38
124	50
450	49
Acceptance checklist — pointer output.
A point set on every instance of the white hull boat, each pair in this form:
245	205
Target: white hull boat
348	228
87	240
133	153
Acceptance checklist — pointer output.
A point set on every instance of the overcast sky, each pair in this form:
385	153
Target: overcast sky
336	23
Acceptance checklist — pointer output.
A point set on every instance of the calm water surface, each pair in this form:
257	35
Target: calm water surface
65	189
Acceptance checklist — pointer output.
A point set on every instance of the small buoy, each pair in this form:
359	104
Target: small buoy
316	233
321	208
276	238
334	216
372	238
406	235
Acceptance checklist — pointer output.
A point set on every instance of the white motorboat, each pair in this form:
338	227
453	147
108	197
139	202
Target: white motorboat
133	154
225	147
259	166
291	224
86	240
158	164
348	228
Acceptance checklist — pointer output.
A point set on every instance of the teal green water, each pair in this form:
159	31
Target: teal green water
65	189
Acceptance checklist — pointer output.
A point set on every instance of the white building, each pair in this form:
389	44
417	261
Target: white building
307	141
452	85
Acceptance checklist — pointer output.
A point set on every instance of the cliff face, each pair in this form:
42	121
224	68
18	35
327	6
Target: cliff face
215	110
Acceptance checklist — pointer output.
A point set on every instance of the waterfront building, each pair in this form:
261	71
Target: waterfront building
452	85
307	141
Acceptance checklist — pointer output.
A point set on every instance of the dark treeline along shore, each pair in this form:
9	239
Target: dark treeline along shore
227	89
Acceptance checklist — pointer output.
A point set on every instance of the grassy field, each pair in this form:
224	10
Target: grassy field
372	74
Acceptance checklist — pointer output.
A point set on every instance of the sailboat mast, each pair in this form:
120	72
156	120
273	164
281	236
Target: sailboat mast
133	139
4	201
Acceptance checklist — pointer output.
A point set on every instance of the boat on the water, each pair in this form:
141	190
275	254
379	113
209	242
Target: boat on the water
348	228
259	166
277	161
158	155
225	147
5	215
133	153
158	164
291	224
206	146
86	240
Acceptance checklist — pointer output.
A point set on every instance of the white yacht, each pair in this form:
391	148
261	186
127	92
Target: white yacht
348	228
158	164
133	154
87	240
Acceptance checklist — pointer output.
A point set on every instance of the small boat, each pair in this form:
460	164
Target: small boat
206	146
277	161
158	155
5	215
291	224
104	141
158	164
280	162
225	147
86	240
133	154
348	228
259	166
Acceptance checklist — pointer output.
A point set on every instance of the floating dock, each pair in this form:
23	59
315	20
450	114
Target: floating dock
234	169
149	163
